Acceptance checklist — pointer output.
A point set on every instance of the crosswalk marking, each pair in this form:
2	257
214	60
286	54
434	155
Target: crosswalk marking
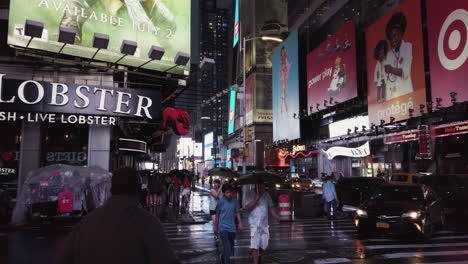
291	236
331	260
421	254
418	245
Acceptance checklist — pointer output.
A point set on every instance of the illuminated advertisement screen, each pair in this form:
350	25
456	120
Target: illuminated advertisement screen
208	145
232	111
228	159
163	23
286	89
236	25
395	64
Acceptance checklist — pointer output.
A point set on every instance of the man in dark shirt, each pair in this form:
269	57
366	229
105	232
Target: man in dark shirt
227	211
119	232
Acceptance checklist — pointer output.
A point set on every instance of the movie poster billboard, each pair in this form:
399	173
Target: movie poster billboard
249	96
286	89
447	23
163	23
331	69
395	64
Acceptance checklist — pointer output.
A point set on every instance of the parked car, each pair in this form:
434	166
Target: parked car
355	190
302	184
405	178
400	209
452	189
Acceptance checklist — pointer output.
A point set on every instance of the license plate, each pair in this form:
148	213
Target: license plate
383	225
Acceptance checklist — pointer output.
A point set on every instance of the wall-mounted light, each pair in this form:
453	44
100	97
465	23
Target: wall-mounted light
421	108
100	41
392	119
127	47
410	112
382	122
33	29
453	96
154	53
438	102
207	64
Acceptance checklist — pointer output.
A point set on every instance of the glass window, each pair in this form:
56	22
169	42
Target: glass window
64	144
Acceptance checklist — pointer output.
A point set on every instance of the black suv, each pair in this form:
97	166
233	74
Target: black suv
355	190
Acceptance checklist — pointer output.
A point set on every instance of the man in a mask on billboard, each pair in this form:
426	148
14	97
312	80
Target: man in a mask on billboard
149	12
399	58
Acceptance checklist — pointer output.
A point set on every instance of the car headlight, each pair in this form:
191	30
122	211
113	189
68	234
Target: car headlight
412	214
361	213
277	185
310	185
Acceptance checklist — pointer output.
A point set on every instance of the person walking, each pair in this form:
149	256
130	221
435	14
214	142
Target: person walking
227	211
258	220
186	191
119	232
330	198
215	195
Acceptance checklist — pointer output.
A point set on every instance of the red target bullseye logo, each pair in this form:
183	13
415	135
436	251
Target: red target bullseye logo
452	45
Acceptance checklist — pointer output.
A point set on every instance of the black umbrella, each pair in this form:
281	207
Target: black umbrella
259	177
223	172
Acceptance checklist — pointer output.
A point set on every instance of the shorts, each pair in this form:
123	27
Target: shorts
212	212
186	191
259	237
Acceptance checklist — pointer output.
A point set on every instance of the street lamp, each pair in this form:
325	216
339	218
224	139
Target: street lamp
244	42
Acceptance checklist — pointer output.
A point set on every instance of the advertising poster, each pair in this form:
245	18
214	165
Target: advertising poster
331	69
208	145
249	104
286	89
395	64
236	25
447	23
232	111
163	23
263	99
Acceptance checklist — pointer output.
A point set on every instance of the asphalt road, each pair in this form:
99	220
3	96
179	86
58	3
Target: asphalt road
316	240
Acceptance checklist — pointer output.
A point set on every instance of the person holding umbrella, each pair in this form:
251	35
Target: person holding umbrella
258	219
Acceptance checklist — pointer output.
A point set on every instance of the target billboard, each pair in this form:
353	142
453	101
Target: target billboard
447	23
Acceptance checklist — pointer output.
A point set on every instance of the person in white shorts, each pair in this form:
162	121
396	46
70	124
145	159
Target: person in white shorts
258	219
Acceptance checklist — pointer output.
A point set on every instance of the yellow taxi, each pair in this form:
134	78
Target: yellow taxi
405	178
302	184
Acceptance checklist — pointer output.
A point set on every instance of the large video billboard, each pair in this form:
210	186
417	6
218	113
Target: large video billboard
331	69
232	111
208	145
447	23
249	97
236	25
395	64
163	23
286	89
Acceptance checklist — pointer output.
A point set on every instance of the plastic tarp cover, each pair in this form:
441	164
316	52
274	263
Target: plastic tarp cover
89	185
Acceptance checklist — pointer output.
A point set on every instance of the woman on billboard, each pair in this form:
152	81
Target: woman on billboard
399	58
285	66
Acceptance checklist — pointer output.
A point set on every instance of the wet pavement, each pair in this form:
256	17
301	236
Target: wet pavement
316	241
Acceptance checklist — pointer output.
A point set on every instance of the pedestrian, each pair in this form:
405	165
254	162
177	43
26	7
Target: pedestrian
120	231
177	184
152	190
216	194
227	211
158	189
186	191
258	220
330	198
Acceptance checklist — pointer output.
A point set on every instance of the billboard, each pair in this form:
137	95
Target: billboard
395	64
208	145
236	25
340	128
163	23
286	89
331	69
228	158
447	23
263	99
249	96
232	111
